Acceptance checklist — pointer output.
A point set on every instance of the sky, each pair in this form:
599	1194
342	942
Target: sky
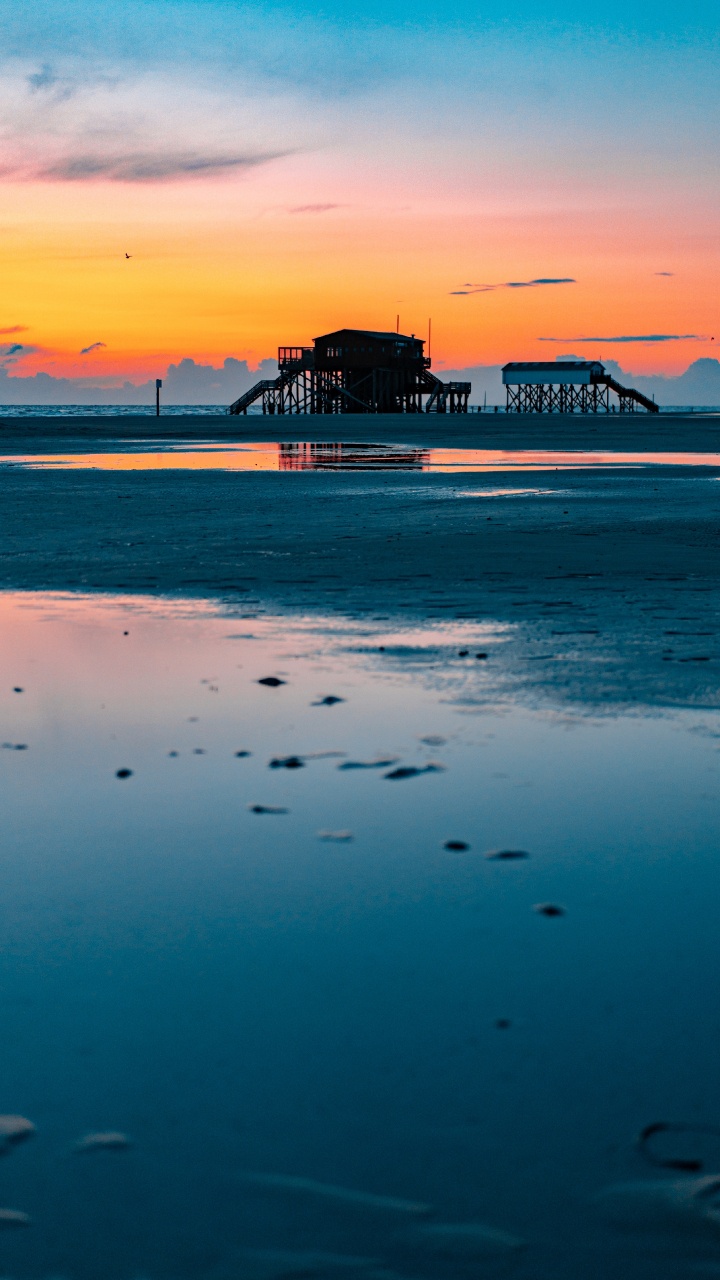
532	178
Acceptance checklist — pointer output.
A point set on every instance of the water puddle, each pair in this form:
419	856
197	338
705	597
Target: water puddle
316	958
348	457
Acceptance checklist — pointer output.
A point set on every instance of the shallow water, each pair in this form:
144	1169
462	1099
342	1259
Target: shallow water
237	994
301	456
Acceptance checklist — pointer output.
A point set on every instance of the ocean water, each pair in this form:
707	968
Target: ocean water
278	1009
125	410
105	410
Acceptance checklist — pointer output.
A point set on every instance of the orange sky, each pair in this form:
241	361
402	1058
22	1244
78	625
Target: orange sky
346	202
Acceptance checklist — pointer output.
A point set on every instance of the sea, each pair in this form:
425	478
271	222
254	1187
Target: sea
123	410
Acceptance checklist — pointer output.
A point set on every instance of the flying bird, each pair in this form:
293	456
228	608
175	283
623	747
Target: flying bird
128	255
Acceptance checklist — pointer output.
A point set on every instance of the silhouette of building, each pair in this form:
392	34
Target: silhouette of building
356	371
568	386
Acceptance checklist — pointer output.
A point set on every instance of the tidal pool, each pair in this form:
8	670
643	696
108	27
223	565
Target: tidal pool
307	456
314	1039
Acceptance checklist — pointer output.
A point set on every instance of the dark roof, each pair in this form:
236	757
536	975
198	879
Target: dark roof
367	333
553	364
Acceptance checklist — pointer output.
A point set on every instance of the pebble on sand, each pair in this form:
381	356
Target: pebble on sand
329	700
13	1130
272	682
685	1206
11	1218
433	740
287	762
15	746
123	773
266	808
412	771
456	846
338	837
507	855
17	689
460	1242
110	1141
548	909
281	1184
367	764
242	755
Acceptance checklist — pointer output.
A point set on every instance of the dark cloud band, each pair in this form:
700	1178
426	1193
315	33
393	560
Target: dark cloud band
145	166
511	284
635	337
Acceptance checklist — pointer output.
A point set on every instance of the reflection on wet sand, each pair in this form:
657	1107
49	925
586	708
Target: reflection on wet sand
341	456
350	1038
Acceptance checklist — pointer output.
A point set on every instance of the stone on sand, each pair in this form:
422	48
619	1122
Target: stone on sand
12	1218
308	1188
112	1140
689	1206
463	1242
13	1130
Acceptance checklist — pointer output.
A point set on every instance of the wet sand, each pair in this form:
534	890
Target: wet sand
693	431
610	578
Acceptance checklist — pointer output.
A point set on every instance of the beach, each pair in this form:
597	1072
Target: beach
607	575
359	850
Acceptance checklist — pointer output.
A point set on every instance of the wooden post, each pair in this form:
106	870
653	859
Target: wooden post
158	384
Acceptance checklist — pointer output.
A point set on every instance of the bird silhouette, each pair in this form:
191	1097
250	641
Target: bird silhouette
128	255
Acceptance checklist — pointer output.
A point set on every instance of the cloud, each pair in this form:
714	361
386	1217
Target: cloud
45	78
636	337
13	350
511	284
531	284
146	166
14	328
664	273
94	346
314	208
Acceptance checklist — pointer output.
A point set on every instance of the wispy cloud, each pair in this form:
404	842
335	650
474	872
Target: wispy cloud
636	337
146	166
14	328
664	273
47	81
313	208
16	351
511	284
94	346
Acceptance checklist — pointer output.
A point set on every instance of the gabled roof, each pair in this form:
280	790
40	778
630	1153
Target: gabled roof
367	333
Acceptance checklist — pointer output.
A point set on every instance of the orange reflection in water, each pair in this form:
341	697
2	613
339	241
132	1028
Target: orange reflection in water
338	456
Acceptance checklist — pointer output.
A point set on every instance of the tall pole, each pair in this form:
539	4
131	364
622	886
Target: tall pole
429	337
158	384
397	324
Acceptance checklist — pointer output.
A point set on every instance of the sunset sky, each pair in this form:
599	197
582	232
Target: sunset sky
526	175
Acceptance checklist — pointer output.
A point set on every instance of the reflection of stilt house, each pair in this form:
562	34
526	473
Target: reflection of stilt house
337	456
356	371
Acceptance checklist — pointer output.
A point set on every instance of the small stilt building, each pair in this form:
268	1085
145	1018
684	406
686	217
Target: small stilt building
568	386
